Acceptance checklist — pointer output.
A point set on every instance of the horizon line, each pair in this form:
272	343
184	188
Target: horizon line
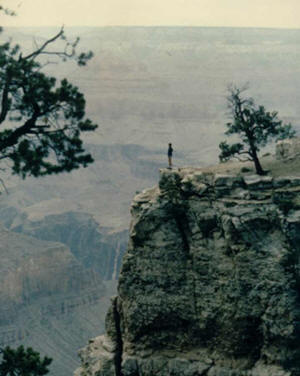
155	26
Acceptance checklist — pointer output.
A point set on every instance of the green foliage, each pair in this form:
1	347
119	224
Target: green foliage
23	362
229	150
41	120
245	169
255	127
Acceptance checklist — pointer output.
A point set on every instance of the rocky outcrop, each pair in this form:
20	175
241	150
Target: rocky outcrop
209	283
288	149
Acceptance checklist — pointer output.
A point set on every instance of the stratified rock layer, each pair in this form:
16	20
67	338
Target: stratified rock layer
48	299
209	283
92	245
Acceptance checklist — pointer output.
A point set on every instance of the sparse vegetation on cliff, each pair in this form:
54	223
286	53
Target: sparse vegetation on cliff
254	125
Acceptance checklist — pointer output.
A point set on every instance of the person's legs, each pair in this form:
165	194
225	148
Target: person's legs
170	161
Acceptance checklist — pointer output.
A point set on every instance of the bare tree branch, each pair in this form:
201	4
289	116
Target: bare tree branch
2	182
42	48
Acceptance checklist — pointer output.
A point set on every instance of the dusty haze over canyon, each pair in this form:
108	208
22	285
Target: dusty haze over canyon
145	87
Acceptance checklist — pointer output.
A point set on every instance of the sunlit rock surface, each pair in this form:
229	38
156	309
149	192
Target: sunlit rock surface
288	149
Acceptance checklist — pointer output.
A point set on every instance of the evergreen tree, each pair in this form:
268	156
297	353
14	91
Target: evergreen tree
41	120
23	362
255	127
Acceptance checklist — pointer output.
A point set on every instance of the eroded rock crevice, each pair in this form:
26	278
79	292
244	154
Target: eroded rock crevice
118	339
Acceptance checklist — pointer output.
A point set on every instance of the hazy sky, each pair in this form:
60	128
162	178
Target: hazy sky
248	13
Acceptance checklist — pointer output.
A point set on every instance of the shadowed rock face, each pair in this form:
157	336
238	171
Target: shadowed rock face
209	283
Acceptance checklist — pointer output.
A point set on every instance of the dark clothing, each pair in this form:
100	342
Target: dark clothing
170	151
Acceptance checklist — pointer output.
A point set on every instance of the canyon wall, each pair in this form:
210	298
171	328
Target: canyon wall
48	299
99	248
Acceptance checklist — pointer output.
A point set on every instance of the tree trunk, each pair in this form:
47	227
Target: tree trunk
257	164
253	154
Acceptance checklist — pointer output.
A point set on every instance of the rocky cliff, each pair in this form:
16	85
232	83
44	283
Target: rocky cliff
209	283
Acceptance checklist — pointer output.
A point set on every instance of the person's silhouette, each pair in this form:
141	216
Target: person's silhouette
170	154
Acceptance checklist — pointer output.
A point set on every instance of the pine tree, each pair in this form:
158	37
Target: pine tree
255	127
41	120
23	362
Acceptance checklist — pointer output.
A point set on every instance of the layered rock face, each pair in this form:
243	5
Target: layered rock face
209	283
48	299
52	295
93	246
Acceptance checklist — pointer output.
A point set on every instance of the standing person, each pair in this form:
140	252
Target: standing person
170	154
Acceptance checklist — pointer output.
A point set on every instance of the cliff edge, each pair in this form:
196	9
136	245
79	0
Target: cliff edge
209	283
